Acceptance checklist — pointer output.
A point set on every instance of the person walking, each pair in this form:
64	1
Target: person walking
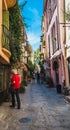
15	86
38	77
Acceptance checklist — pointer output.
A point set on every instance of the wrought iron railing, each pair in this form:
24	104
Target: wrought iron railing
7	41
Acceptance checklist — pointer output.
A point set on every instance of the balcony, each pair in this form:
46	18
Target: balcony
10	3
44	44
5	39
7	46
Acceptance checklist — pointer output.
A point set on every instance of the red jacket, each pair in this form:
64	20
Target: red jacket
16	81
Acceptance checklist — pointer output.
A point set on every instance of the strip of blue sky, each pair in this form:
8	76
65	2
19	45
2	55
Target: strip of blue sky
33	11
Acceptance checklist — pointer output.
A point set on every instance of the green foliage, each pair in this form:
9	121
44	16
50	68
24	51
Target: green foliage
16	21
29	75
25	83
37	58
22	88
31	66
49	81
42	69
21	6
28	48
15	29
67	14
24	73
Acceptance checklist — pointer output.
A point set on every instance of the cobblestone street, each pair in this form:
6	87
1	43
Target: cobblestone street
41	109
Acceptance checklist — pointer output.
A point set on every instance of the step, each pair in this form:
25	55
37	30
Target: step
67	98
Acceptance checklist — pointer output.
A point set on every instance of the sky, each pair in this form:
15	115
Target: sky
33	12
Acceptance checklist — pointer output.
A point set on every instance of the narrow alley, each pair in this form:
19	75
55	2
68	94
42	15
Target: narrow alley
41	109
35	45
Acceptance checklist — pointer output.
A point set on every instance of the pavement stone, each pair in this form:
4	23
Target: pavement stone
41	109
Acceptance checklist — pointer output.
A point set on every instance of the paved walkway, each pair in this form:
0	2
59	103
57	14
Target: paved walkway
41	109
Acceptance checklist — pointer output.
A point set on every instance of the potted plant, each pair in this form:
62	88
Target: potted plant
22	87
49	81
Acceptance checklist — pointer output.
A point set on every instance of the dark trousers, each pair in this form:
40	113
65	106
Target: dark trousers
13	94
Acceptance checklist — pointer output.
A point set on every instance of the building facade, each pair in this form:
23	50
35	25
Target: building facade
56	40
5	53
67	42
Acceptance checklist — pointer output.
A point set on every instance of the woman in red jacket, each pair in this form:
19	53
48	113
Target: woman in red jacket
15	81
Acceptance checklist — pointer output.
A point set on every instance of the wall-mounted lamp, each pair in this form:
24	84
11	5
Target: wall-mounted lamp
67	46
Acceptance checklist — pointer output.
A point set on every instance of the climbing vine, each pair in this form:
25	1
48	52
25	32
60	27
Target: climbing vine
15	19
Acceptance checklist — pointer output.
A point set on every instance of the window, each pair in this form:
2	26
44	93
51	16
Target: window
49	45
54	38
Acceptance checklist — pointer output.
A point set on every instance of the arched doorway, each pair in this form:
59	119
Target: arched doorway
69	68
55	68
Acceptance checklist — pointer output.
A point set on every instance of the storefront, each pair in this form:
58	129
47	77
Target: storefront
4	80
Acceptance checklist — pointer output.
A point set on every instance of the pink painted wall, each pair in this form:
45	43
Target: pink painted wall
60	71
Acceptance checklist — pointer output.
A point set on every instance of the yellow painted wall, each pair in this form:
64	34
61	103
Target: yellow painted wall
4	20
0	23
10	3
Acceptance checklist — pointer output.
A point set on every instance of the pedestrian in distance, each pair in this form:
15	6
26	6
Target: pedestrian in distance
38	77
33	77
14	89
41	77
